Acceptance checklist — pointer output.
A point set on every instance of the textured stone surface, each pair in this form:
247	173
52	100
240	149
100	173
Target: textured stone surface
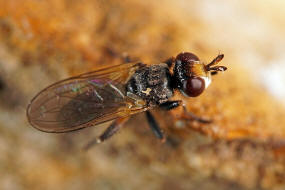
44	41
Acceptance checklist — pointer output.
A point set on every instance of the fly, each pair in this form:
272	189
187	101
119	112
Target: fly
118	92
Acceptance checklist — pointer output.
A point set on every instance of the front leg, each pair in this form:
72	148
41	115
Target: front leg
191	116
169	61
169	105
186	114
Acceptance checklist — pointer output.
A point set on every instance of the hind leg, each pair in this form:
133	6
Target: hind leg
109	132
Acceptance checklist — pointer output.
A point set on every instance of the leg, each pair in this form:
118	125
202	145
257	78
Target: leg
154	126
125	58
169	61
109	132
186	115
190	116
170	105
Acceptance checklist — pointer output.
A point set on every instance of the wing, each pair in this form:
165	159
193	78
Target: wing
85	100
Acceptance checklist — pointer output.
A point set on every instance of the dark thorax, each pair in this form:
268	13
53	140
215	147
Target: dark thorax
152	84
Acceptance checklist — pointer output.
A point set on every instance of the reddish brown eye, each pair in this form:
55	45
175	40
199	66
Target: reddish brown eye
187	57
194	86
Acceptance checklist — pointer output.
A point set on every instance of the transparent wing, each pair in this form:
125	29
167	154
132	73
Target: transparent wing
85	100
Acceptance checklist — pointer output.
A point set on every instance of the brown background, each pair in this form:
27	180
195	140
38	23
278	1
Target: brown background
44	41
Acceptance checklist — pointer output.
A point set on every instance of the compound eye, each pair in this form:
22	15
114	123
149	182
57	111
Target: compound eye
187	57
194	86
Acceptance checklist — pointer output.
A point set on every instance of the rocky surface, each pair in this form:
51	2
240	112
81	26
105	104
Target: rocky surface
42	42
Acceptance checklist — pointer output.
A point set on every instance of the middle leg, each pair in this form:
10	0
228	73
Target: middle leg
154	126
152	122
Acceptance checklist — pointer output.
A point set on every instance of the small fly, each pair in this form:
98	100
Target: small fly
116	92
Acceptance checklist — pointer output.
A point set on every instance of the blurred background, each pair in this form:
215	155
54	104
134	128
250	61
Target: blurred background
42	42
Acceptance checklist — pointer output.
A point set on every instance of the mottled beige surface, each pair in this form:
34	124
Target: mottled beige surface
44	41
